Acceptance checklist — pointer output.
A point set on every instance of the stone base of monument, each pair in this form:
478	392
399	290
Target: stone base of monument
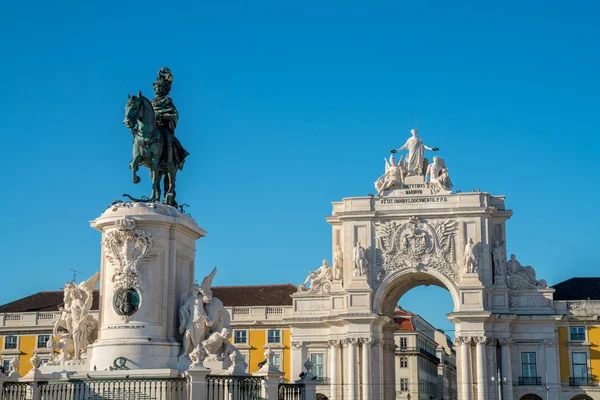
218	367
137	354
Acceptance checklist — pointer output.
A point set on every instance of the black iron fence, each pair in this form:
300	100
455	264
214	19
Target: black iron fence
113	389
233	387
582	381
291	391
530	381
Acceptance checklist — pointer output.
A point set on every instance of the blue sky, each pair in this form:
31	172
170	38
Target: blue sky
288	106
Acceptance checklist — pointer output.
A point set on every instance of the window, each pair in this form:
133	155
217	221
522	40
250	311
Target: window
403	384
403	343
529	369
580	370
6	365
10	342
277	361
403	362
42	340
578	333
317	361
274	336
240	337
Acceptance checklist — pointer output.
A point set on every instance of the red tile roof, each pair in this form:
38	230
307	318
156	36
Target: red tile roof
231	296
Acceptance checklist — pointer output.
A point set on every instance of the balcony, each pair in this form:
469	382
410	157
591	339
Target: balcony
530	381
421	351
582	381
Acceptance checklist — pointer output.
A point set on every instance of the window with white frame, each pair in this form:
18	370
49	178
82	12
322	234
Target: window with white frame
403	362
317	361
273	336
240	337
42	340
577	333
277	361
580	367
403	384
529	368
11	342
403	343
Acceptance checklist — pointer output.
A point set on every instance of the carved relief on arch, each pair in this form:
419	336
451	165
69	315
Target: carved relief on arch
418	243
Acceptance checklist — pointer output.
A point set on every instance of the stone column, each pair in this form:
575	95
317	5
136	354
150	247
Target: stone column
377	389
351	349
492	367
297	360
465	384
552	378
366	368
507	389
334	362
481	367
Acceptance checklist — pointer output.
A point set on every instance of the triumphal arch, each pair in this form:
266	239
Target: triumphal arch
415	230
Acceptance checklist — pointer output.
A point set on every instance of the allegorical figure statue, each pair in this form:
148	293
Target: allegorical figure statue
393	177
438	173
471	257
201	315
338	262
82	328
359	258
416	154
166	118
320	280
522	278
498	261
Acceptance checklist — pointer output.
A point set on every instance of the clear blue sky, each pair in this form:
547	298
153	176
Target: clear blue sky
288	106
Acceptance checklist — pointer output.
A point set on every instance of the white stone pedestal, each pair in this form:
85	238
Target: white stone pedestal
147	262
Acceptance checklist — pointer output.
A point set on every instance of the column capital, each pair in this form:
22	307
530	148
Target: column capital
482	340
296	345
505	342
460	340
334	343
366	341
352	341
549	342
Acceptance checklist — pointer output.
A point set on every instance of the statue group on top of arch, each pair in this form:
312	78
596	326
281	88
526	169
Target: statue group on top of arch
205	325
415	164
76	328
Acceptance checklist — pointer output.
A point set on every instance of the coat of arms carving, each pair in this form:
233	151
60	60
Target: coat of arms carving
418	243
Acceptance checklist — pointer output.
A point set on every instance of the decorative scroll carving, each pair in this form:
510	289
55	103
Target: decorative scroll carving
504	341
418	243
297	345
128	249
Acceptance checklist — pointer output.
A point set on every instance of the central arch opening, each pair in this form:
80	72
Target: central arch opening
422	363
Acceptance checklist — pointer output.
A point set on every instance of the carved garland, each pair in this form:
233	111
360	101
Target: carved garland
418	243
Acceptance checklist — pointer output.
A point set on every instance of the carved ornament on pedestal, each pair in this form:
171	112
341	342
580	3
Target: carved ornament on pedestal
418	243
128	249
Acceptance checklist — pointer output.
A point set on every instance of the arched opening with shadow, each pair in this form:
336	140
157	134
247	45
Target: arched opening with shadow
418	360
531	396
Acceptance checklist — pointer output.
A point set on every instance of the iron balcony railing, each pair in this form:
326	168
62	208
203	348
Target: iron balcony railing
530	381
582	381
